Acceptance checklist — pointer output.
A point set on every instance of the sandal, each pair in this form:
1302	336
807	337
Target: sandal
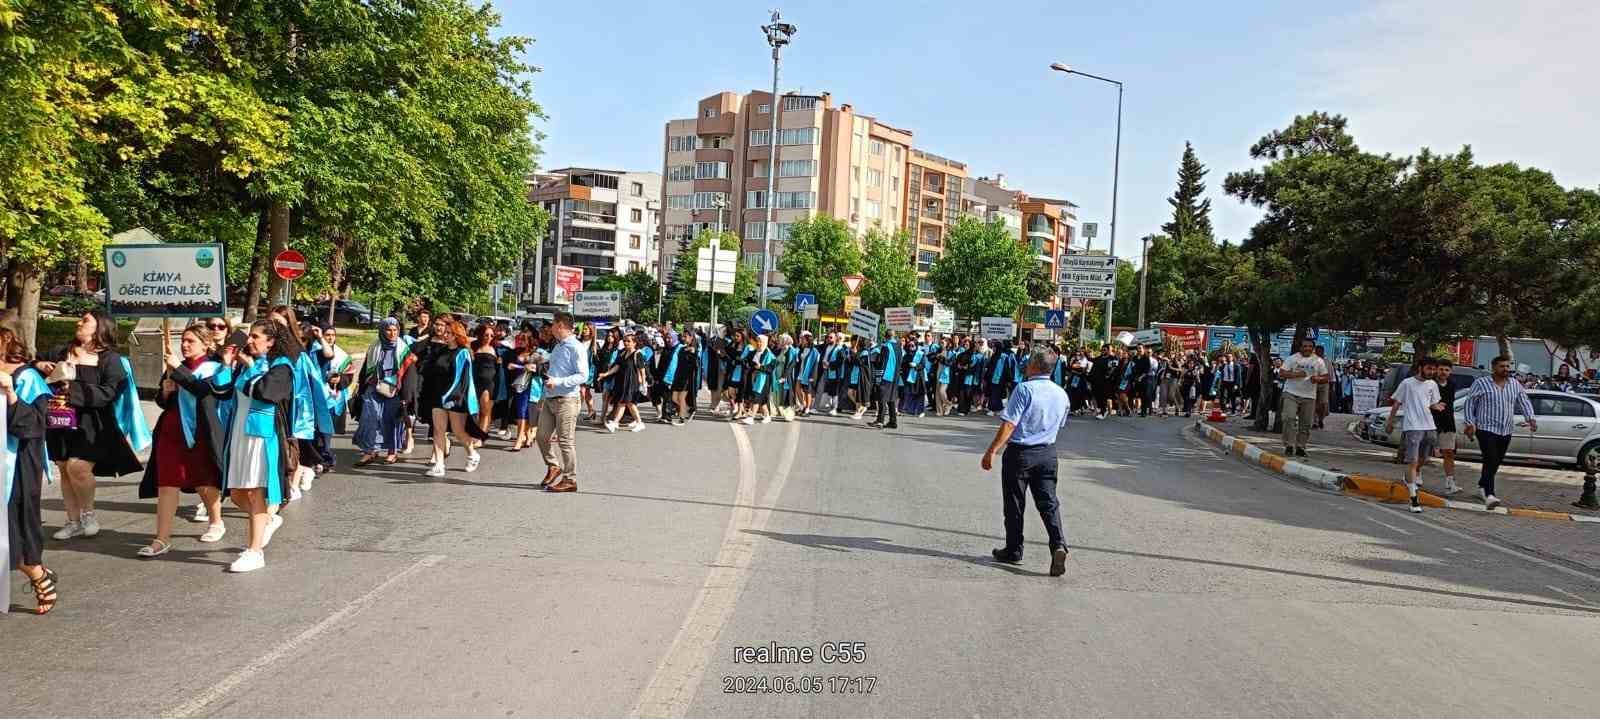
214	533
44	591
366	459
391	459
150	551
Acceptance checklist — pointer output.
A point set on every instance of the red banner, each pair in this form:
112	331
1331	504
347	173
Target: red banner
1189	338
568	283
1465	351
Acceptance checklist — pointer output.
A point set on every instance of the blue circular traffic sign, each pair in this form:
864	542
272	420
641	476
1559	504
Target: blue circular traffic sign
764	322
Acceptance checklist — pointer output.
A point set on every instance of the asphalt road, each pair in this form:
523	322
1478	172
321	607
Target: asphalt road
1197	587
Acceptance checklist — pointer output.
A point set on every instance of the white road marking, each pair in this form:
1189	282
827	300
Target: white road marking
1579	598
217	691
1386	524
1569	571
1451	550
678	674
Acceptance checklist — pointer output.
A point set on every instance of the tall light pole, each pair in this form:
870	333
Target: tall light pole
1116	170
1144	272
721	203
778	34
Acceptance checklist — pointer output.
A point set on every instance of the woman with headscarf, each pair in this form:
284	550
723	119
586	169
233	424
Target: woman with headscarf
387	365
683	375
785	363
456	405
96	424
24	408
757	380
260	459
189	437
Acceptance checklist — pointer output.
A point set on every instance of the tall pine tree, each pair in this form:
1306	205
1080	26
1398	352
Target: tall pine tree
1191	211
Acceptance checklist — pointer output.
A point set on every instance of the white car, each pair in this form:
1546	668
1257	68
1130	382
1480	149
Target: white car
1569	430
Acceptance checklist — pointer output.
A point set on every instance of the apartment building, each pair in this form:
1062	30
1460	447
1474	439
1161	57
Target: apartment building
1050	226
829	161
934	187
605	221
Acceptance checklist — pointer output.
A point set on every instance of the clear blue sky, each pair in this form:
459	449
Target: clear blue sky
970	79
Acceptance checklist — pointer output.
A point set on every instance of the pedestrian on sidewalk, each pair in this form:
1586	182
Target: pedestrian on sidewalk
1418	397
1444	421
1301	374
1228	376
1324	398
1029	423
1489	414
558	418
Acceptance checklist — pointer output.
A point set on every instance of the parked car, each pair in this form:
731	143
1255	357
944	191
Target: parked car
1569	430
346	313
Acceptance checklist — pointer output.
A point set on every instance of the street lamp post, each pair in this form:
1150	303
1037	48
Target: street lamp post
721	203
1116	170
778	34
1144	272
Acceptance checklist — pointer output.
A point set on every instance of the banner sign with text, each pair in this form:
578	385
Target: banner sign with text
169	280
1363	395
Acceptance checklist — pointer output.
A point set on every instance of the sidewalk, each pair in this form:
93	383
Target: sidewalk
1335	449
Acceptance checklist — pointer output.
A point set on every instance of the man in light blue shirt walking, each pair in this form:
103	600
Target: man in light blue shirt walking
1032	416
558	417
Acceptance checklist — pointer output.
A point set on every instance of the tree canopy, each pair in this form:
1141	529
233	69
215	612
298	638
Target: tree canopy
891	277
820	250
984	270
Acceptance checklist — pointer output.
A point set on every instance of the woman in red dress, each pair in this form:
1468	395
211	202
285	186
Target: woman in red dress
189	436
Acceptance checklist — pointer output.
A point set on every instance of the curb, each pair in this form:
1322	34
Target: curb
1385	490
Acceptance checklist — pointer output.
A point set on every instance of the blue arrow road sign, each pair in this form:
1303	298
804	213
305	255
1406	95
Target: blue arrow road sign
803	300
764	322
1055	319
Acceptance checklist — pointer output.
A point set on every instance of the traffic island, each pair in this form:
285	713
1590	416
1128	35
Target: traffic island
1365	484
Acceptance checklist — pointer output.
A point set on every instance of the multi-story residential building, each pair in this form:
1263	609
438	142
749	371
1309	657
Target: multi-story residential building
830	161
605	221
934	187
1049	228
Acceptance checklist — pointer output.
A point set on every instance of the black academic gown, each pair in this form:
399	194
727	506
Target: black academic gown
208	422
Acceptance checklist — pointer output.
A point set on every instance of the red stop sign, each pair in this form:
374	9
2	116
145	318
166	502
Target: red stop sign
289	264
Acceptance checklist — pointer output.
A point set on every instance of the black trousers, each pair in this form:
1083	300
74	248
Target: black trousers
1493	446
1025	469
888	399
964	398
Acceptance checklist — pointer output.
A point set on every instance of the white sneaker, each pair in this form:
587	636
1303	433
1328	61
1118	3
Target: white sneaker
307	480
920	415
1450	486
295	494
436	470
472	462
91	526
249	561
1491	502
611	427
200	516
766	419
272	528
747	420
69	530
833	413
636	427
505	433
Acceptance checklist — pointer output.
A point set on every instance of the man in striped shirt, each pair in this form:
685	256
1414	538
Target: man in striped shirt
1490	415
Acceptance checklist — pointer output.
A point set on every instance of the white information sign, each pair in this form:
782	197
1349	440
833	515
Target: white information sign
1147	337
997	328
864	323
1076	261
1097	278
899	319
1364	395
714	270
1079	292
168	280
597	304
944	319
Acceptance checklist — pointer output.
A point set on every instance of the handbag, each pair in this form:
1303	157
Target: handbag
384	389
60	415
522	382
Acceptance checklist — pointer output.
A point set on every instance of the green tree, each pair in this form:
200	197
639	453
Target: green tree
983	272
1185	260
819	252
1127	307
694	306
1041	284
891	277
639	289
1191	210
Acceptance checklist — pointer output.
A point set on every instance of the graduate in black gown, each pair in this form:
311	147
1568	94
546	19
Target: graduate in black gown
27	401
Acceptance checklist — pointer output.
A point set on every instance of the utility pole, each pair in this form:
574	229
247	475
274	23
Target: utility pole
1144	272
1116	171
778	34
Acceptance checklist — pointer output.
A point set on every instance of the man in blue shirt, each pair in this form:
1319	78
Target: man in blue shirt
558	418
1032	416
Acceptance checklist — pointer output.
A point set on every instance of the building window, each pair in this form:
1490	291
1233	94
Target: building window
680	173
874	209
710	170
799	103
753	259
877	147
763	109
855	174
797	168
925	260
797	136
759	138
633	266
755	199
634	242
636	189
711	112
794	200
894	186
682	143
896	154
758	168
636	215
758	231
696	201
874	178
